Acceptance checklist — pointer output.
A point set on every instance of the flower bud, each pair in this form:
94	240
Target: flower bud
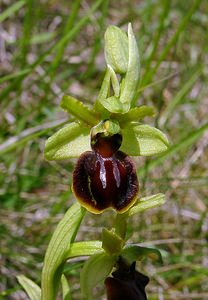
116	49
126	283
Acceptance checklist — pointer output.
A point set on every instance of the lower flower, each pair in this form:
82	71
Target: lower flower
126	283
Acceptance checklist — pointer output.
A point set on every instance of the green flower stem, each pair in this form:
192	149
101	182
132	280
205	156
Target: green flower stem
58	248
66	292
120	224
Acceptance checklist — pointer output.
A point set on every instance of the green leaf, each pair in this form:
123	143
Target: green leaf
112	243
143	140
84	248
66	292
57	250
95	270
80	111
70	141
133	253
116	49
31	288
147	203
129	86
135	114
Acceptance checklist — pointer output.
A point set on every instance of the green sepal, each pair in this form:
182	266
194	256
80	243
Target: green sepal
95	270
133	253
147	203
143	140
135	114
116	49
112	243
57	250
30	287
130	82
80	111
84	249
69	141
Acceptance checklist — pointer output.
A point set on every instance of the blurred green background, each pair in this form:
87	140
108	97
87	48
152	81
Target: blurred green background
48	48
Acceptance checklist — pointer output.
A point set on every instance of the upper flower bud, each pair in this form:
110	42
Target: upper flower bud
116	49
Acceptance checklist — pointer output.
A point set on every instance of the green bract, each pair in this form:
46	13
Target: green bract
116	49
95	270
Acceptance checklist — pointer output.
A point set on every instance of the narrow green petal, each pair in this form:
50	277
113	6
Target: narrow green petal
135	114
96	269
114	105
80	111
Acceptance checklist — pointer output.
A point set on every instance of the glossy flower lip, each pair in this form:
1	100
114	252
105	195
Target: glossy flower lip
102	182
126	283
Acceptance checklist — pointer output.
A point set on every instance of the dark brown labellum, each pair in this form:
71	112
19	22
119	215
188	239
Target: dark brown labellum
105	177
126	283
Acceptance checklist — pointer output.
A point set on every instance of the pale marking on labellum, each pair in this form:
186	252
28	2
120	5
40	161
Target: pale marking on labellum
116	173
103	172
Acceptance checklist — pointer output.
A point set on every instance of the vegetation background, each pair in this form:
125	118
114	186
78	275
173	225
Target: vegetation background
48	48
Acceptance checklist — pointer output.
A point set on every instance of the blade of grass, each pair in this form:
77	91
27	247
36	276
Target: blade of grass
29	134
179	97
14	75
97	41
11	10
42	38
155	42
68	27
13	86
27	33
172	41
184	143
